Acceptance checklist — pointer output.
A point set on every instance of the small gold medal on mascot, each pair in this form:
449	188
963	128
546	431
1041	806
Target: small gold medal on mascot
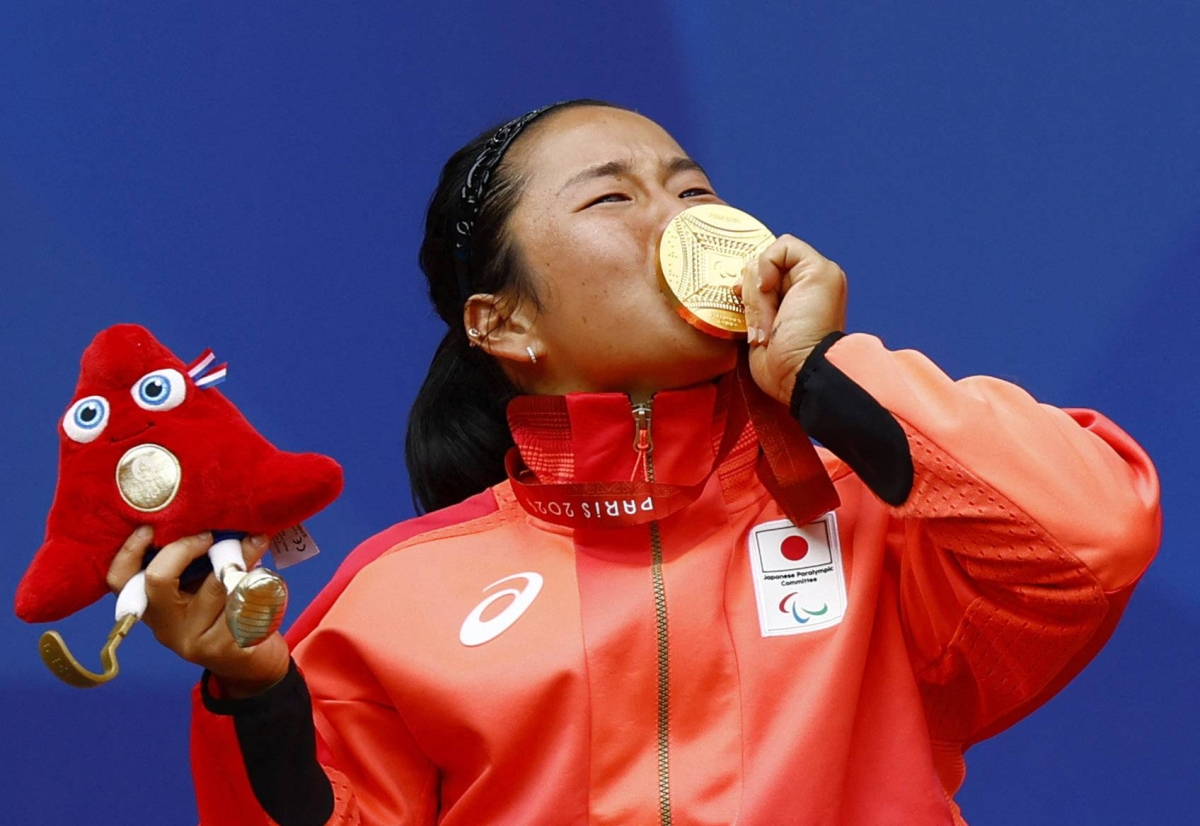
148	477
701	257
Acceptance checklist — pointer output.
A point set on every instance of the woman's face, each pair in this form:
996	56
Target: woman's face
600	185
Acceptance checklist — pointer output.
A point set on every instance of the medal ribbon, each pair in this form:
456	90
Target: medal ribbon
788	466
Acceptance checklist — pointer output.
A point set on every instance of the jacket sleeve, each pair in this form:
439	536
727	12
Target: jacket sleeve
258	755
1019	533
256	762
291	750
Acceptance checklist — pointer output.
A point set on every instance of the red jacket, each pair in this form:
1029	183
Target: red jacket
722	667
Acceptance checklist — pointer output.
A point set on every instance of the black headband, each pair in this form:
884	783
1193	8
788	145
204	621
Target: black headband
471	197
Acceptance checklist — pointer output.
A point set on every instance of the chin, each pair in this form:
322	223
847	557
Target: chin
713	348
704	360
681	360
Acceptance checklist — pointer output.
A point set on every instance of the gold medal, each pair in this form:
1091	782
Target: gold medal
148	477
701	257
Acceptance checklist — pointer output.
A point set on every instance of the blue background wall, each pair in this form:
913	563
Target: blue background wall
1013	188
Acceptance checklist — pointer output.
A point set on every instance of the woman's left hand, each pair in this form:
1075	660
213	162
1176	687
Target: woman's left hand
794	297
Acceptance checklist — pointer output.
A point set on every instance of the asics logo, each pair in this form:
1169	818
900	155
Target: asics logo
476	630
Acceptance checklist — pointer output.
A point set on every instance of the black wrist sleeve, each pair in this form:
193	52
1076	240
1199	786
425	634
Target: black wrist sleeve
849	422
279	747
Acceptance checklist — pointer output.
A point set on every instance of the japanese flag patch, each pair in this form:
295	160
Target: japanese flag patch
799	579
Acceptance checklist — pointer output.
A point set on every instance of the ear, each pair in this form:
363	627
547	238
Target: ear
506	328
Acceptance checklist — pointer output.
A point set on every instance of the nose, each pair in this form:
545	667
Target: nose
666	206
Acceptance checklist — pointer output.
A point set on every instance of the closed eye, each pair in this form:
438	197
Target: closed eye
609	198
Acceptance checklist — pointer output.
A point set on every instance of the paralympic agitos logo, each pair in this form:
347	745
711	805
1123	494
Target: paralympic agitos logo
789	605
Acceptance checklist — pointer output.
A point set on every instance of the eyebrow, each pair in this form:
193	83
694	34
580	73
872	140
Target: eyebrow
612	169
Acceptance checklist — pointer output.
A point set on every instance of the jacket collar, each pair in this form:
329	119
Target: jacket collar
590	437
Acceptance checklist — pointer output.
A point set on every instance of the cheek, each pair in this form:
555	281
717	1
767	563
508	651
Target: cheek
602	248
592	278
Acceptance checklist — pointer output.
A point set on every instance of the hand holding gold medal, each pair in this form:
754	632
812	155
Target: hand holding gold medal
793	298
705	254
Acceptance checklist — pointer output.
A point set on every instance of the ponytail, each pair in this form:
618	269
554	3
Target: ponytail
457	430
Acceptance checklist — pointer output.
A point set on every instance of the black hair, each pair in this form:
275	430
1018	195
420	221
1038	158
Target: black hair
457	431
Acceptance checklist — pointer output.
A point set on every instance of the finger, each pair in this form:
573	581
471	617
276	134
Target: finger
210	597
216	636
760	305
128	560
781	267
254	548
163	572
775	263
770	280
208	602
789	252
178	619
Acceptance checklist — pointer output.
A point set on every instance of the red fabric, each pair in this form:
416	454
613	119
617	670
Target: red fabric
223	792
477	506
540	470
231	477
227	798
1026	529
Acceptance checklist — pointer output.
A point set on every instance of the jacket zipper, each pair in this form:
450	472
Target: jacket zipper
643	443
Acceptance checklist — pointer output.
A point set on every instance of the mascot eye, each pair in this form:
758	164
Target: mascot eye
85	420
160	390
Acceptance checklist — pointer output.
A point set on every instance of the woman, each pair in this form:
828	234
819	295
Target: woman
536	649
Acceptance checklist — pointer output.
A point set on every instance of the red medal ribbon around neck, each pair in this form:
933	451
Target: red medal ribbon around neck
788	466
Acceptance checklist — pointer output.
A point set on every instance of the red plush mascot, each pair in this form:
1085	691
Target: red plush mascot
149	441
